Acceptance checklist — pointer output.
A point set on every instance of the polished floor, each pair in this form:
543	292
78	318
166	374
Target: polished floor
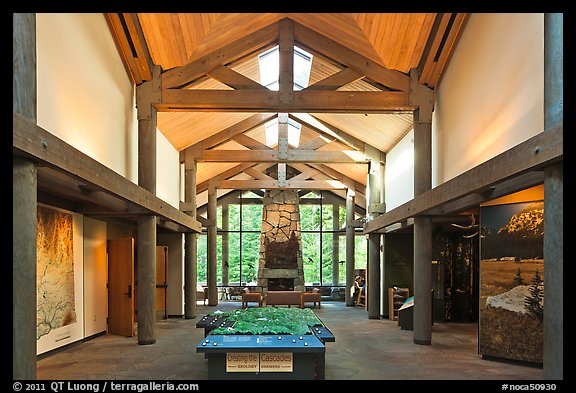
365	349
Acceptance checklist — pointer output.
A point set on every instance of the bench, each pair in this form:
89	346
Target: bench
283	298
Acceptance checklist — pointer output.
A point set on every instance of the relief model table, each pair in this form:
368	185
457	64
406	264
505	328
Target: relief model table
263	356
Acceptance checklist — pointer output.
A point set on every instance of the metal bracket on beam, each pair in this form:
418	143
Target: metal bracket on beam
421	96
377	208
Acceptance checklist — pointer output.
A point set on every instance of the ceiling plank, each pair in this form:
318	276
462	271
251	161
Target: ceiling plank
326	47
533	154
227	134
180	76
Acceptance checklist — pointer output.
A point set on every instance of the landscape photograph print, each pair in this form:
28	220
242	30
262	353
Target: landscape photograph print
512	281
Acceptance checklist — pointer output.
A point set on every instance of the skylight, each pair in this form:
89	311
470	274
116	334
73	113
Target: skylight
293	132
269	63
269	68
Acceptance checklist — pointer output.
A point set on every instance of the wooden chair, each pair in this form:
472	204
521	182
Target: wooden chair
313	296
361	299
248	296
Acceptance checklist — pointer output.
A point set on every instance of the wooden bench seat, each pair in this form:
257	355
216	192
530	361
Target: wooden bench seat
283	298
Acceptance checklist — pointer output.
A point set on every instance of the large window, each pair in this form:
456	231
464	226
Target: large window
323	226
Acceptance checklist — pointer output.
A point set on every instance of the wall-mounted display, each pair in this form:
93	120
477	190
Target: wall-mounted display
512	281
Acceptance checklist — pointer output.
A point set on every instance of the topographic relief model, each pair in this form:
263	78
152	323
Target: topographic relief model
55	271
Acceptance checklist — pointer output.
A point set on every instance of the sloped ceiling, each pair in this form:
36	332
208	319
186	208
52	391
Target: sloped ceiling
394	41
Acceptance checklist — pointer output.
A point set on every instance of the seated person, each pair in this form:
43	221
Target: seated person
358	282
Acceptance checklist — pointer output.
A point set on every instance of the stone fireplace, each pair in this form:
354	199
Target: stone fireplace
280	266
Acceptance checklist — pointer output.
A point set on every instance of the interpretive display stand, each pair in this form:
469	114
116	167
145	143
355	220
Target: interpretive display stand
241	355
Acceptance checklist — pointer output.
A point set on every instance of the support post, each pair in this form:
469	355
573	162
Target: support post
335	244
146	277
350	245
24	204
422	280
190	243
212	235
422	230
147	122
225	244
553	357
374	208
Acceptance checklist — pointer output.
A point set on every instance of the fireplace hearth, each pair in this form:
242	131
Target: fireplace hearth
280	266
280	284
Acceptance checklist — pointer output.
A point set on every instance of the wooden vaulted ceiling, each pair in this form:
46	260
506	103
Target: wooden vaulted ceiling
398	42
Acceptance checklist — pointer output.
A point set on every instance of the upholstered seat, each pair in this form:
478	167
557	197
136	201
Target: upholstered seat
248	296
202	294
313	296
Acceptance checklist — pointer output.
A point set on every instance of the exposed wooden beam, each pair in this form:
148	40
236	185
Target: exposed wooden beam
333	173
335	132
143	58
236	170
250	143
535	153
314	144
251	43
286	61
318	43
177	100
227	134
294	155
521	182
275	184
256	174
337	80
234	79
45	148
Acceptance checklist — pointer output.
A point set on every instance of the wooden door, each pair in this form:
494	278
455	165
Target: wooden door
161	284
121	286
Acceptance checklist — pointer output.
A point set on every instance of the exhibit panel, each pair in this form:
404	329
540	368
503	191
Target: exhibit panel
59	271
512	281
264	343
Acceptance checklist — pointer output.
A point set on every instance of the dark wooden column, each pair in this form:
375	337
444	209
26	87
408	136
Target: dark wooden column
212	237
147	94
350	244
422	233
24	204
553	203
225	243
335	244
374	208
190	242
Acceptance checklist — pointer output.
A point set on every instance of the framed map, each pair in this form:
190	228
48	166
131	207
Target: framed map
58	266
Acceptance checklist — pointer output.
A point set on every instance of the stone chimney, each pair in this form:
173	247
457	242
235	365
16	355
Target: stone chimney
280	266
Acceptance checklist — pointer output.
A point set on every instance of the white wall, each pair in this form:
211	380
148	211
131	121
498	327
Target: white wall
95	277
491	97
167	171
85	96
399	175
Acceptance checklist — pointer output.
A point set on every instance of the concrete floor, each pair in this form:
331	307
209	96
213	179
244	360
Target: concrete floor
365	349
